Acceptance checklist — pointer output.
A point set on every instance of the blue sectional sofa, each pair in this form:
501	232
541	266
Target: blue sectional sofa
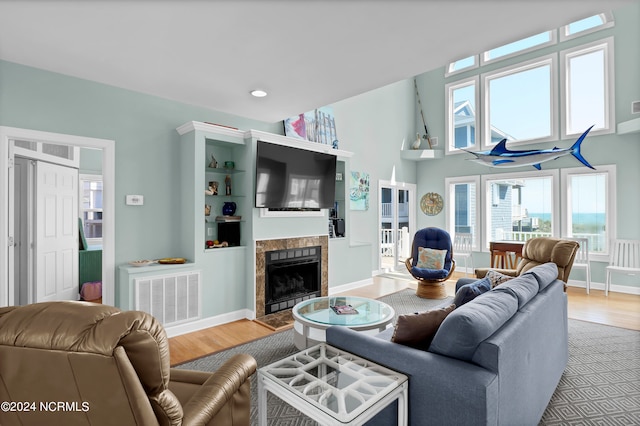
495	360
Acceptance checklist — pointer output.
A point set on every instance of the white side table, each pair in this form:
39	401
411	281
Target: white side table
332	387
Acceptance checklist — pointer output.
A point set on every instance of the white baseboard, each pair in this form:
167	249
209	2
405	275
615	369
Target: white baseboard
350	286
208	322
600	286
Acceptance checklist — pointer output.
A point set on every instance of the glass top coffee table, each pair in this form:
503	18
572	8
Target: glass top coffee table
332	386
312	317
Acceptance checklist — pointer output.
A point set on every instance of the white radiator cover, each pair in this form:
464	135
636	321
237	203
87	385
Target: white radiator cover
171	299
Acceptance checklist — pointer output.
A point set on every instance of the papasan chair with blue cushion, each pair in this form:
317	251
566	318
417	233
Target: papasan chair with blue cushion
431	261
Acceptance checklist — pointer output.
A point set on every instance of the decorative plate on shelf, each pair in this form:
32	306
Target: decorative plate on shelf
431	203
172	260
141	262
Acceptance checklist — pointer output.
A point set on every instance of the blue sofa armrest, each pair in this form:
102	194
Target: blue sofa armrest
440	388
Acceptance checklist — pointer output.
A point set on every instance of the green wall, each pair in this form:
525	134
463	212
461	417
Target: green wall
376	126
90	161
147	145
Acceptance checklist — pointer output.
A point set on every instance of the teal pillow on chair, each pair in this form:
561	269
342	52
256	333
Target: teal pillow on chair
429	258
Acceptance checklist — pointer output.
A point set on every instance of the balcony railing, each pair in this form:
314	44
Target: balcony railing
597	242
387	242
387	210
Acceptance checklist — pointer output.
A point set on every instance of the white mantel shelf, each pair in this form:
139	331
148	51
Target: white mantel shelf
257	134
631	126
421	154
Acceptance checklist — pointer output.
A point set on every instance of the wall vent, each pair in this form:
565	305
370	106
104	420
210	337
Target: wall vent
635	107
65	155
172	299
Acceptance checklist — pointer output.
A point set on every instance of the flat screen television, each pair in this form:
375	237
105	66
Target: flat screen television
289	178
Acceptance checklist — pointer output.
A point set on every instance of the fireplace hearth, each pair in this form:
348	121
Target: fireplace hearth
291	276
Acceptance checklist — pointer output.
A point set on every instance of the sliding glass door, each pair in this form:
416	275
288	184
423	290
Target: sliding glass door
397	224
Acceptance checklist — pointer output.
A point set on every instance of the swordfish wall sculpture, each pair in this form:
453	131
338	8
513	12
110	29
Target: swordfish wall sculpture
501	156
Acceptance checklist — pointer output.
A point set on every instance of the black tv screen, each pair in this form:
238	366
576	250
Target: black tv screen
289	178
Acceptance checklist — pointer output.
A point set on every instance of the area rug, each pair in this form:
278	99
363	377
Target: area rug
600	386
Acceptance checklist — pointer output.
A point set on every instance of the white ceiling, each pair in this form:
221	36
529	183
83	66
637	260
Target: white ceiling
305	53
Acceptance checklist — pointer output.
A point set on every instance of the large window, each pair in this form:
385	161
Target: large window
522	103
519	47
462	203
589	207
520	206
462	65
525	205
587	87
519	102
462	124
586	26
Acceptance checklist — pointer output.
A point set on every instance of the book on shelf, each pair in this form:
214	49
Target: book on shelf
344	310
228	218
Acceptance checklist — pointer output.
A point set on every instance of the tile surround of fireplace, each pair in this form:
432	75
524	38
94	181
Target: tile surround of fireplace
264	246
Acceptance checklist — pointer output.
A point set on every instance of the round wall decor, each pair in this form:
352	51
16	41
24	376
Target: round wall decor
431	203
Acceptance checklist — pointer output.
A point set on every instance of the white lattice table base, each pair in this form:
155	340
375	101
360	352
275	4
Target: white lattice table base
332	387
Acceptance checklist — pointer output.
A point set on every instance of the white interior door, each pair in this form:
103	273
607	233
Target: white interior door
23	229
56	251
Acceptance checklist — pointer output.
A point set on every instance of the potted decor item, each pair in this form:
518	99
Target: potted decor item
214	163
227	184
212	189
229	208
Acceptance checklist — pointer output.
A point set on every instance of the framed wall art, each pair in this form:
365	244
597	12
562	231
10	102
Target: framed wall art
318	125
359	191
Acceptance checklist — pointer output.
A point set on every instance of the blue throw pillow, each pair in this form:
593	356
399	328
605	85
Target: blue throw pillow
470	291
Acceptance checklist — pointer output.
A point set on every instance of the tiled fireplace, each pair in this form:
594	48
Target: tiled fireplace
290	270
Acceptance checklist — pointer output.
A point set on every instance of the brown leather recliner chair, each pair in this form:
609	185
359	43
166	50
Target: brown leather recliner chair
537	251
79	363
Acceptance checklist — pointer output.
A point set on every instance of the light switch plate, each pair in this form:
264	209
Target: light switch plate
135	200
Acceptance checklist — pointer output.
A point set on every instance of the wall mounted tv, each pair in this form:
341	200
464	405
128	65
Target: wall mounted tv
289	178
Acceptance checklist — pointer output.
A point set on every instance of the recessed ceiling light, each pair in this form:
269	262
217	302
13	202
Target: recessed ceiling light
258	93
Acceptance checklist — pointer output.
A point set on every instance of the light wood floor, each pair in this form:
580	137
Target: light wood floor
620	310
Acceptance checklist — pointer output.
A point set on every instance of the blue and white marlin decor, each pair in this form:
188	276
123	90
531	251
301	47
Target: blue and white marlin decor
500	156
